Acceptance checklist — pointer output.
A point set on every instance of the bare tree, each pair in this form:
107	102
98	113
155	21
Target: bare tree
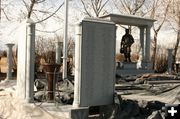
132	7
174	18
31	10
159	12
3	6
38	10
94	8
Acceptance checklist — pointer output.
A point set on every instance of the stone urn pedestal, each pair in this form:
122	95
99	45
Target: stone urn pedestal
51	71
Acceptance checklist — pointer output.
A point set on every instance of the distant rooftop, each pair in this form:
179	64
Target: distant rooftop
129	20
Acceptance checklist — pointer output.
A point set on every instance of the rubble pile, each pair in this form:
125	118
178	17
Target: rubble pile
145	96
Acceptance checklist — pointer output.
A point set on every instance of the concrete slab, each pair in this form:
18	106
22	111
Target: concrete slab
129	20
66	111
95	63
58	110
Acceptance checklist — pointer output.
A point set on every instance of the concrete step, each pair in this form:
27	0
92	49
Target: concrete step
163	82
126	72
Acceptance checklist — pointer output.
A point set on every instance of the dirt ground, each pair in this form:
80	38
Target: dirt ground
11	107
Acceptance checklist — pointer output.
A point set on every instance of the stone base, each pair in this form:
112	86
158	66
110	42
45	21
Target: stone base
131	68
129	65
79	113
69	112
146	65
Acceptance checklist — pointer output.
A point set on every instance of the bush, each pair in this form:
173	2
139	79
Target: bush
4	54
161	63
120	57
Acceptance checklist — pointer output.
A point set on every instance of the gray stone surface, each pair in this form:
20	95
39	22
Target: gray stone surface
170	60
79	113
147	65
131	65
129	20
96	63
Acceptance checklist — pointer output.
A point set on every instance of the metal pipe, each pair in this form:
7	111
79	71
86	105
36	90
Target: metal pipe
58	52
65	41
0	10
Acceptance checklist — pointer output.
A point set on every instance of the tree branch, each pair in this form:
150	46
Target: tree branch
39	1
86	11
5	15
51	14
103	6
25	4
49	31
31	8
138	7
94	8
124	5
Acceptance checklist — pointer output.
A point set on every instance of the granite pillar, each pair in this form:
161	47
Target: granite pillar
9	61
77	71
59	46
170	60
148	44
142	43
26	61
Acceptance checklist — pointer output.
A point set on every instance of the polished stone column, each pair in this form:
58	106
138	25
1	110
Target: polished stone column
30	61
9	61
73	57
78	31
170	60
26	61
148	44
142	43
59	46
